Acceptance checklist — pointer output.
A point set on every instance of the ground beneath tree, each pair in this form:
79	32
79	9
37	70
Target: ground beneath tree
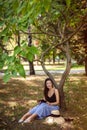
19	95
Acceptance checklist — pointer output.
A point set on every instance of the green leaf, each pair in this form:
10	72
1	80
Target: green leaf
4	32
23	54
4	56
17	50
1	51
33	50
30	56
5	39
47	4
10	59
1	23
6	77
20	70
1	64
14	73
68	2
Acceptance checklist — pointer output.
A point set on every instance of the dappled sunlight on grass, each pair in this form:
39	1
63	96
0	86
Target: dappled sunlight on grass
33	102
76	99
19	95
12	104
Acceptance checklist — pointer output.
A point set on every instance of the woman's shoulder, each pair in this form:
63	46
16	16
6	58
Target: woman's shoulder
56	90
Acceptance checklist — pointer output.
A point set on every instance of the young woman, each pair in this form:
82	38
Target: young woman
44	108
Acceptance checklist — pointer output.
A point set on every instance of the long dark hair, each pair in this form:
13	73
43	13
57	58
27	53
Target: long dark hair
45	87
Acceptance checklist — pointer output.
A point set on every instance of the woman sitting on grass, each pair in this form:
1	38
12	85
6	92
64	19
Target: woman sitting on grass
44	108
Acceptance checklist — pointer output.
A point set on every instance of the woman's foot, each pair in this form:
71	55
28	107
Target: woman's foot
20	121
27	121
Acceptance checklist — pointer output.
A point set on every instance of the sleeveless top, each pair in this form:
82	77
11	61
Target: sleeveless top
52	98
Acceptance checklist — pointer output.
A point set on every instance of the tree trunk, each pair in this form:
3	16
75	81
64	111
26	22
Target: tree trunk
31	66
85	42
63	78
18	41
54	53
17	38
86	65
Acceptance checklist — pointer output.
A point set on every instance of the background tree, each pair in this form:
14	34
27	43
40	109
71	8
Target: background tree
79	43
31	66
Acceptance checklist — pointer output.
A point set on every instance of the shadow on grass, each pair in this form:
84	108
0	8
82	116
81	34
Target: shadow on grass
36	125
10	122
19	95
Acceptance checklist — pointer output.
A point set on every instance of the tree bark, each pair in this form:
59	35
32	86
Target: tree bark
18	41
64	76
31	66
17	37
54	54
85	42
86	65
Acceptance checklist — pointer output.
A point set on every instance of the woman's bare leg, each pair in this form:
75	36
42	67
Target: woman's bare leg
27	115
30	118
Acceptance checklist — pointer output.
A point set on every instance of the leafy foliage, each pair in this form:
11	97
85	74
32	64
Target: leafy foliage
13	62
16	16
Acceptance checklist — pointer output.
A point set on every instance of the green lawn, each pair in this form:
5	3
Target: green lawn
54	67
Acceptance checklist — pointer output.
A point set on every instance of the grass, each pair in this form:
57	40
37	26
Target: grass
19	95
57	66
76	66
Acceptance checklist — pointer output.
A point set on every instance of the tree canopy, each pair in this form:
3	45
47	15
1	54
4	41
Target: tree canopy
57	20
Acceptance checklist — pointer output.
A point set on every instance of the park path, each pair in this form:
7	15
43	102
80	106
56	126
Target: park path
41	72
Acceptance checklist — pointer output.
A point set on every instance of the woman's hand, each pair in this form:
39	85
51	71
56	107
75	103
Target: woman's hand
41	101
49	103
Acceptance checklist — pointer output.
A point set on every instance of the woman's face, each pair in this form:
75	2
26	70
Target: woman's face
49	84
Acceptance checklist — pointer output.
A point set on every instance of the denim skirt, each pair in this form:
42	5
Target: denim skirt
43	110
